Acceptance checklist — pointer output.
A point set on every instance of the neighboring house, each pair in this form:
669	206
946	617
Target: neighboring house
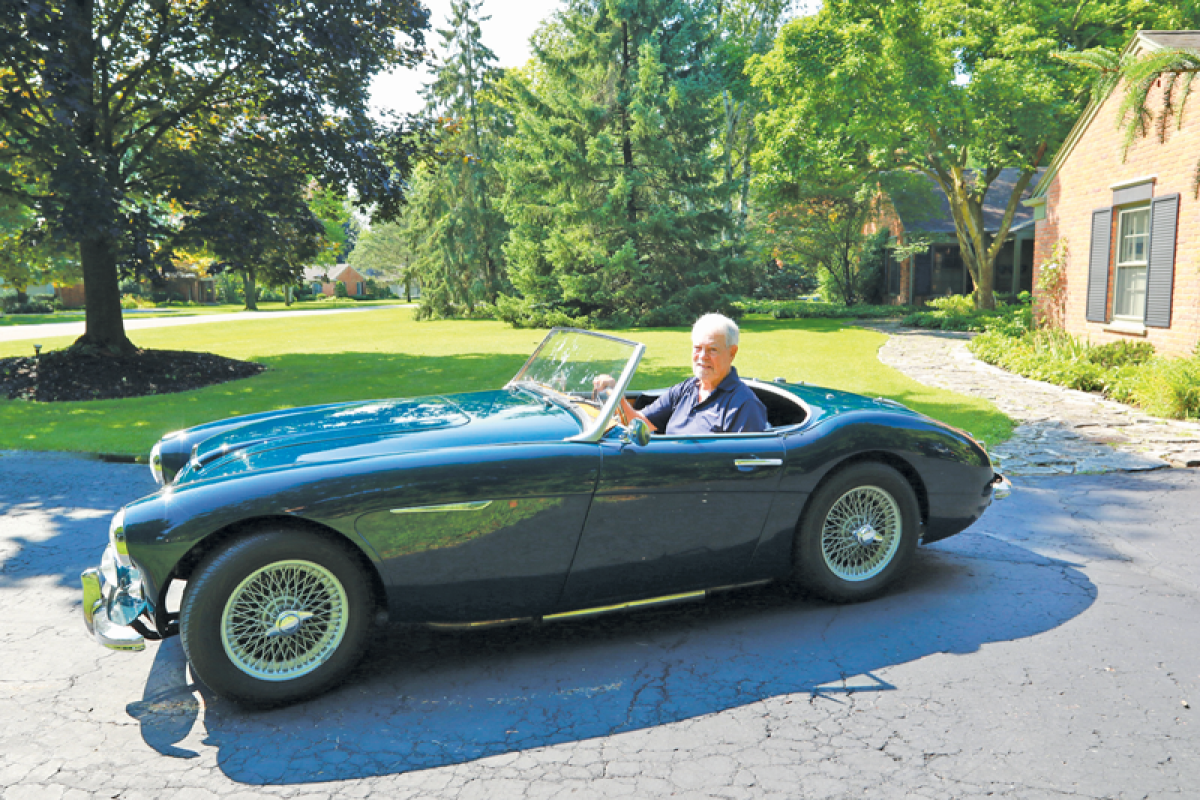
30	291
940	270
1130	221
179	286
324	280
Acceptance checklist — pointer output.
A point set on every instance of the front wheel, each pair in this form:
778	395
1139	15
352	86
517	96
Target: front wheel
857	533
275	617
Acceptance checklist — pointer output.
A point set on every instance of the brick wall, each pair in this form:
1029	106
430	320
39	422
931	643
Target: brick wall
1084	184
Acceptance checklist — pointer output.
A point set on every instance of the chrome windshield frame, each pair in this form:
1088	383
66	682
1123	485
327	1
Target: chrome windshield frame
594	431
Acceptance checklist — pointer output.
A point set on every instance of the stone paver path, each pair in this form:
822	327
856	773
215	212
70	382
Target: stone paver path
1060	431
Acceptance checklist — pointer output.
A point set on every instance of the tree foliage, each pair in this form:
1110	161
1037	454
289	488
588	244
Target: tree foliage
106	102
954	89
613	192
30	255
454	229
1167	74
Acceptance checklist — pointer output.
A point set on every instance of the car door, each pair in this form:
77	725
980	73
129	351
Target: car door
681	513
485	533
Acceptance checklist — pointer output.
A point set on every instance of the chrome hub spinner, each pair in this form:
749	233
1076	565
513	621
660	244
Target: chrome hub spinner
289	622
866	535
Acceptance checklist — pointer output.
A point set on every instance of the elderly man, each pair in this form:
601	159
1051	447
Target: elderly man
713	401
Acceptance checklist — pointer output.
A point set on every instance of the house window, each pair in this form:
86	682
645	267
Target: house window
1133	250
1140	285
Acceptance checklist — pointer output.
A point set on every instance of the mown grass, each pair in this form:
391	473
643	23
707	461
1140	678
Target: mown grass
387	354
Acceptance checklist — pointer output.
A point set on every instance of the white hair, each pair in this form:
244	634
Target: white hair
717	323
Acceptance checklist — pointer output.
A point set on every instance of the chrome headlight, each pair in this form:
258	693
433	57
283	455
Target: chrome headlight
156	462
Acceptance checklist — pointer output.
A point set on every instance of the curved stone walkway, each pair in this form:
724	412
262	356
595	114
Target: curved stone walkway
1059	431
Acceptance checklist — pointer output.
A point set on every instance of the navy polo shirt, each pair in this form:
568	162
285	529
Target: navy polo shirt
731	408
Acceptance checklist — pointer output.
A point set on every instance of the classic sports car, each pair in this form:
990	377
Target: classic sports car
293	531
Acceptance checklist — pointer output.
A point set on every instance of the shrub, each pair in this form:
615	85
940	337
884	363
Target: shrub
31	305
958	313
1124	371
1169	388
814	309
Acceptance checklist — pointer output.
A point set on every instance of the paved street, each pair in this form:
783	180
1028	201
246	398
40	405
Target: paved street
17	333
1051	651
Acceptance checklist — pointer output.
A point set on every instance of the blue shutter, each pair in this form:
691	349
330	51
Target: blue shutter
1098	261
1160	268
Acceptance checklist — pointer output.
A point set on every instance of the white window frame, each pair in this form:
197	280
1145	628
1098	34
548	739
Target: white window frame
1143	265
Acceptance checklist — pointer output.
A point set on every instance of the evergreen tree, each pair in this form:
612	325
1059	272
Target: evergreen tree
452	223
613	190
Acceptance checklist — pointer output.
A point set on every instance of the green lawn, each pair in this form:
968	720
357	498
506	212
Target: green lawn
387	354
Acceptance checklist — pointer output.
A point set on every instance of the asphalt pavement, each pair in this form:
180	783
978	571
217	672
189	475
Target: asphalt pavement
1050	651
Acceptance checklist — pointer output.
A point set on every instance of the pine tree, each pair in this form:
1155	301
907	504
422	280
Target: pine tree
615	197
454	227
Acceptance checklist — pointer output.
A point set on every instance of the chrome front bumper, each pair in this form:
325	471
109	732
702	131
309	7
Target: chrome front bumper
1001	487
112	600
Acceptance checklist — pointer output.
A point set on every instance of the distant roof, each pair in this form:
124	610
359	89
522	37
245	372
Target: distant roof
994	203
1172	39
331	274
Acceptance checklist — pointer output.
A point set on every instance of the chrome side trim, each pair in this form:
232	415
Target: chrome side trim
653	601
474	505
758	462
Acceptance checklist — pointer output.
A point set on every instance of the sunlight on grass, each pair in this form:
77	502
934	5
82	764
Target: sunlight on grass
386	354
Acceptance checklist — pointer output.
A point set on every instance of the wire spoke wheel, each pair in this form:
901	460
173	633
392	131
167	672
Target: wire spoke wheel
858	533
861	533
284	620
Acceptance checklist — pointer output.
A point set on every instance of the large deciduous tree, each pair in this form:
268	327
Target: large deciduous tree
104	101
612	186
954	89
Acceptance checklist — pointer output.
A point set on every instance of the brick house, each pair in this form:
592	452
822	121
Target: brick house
940	270
324	280
179	286
1130	222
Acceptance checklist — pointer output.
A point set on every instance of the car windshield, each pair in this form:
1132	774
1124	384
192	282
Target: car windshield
568	361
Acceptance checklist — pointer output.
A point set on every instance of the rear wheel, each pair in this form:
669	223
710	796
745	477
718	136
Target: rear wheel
275	617
857	533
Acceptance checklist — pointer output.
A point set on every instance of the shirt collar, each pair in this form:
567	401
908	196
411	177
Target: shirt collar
727	384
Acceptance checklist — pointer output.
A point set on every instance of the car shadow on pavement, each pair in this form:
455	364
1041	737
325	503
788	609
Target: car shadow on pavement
425	698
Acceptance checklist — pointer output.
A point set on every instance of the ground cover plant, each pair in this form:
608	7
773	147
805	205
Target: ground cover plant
817	309
386	353
958	313
1125	371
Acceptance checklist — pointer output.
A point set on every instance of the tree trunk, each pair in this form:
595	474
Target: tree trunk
250	290
626	125
104	326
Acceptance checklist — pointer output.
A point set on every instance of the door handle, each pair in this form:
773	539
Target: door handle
752	463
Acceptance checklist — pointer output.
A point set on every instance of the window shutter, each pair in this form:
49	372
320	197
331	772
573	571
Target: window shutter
1160	269
1098	261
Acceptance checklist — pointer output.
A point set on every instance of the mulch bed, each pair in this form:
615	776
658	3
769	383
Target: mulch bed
77	374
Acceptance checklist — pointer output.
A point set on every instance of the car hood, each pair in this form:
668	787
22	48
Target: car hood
376	428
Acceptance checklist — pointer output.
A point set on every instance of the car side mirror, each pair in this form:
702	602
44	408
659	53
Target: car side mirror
637	432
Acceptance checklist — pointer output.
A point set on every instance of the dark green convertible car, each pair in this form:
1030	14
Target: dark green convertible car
291	533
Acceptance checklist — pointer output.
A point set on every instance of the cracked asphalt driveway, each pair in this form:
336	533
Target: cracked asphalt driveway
1051	651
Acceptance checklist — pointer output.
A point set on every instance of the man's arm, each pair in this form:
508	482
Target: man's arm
625	409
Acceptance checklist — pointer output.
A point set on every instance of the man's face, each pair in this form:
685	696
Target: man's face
711	357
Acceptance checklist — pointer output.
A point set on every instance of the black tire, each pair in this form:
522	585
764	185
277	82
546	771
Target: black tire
275	617
857	533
